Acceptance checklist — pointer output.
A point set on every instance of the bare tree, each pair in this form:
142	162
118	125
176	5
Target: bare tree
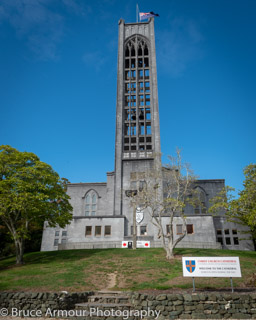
166	193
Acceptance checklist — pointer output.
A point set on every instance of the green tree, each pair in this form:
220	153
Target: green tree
243	209
30	193
247	199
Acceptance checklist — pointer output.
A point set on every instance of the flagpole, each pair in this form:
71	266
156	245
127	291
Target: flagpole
137	8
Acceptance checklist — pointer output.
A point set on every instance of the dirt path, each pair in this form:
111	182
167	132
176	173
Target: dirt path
111	280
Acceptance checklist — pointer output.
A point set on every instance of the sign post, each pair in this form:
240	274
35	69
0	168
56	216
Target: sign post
194	287
231	282
228	267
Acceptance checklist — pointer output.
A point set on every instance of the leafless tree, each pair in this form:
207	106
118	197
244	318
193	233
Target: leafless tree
166	193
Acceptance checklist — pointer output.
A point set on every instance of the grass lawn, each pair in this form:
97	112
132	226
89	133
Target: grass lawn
116	269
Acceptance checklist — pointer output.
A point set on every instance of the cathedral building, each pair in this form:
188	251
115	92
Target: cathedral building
102	211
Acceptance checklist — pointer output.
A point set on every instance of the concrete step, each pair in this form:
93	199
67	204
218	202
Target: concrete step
109	299
102	305
112	293
105	311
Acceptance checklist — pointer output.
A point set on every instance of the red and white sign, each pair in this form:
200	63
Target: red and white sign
140	244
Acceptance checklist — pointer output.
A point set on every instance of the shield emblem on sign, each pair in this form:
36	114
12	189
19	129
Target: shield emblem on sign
190	265
139	215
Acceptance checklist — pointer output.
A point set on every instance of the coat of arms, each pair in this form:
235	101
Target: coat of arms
190	265
139	215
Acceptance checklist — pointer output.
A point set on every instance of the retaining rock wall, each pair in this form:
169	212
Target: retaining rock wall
171	306
199	306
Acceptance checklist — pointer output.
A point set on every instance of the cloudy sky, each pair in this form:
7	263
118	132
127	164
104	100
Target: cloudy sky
58	63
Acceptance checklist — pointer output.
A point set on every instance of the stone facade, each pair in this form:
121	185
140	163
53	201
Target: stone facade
102	213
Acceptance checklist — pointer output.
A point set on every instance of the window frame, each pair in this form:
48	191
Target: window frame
236	241
96	232
85	232
91	203
179	225
107	234
190	225
228	239
146	231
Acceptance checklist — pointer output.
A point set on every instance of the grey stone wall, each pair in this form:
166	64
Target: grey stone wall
41	301
171	306
199	306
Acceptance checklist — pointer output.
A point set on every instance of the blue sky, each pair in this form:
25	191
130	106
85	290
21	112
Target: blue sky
58	63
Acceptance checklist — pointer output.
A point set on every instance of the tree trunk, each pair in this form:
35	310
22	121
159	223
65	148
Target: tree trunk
19	247
134	234
169	249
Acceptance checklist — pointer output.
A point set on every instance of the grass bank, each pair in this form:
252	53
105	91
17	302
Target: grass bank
116	269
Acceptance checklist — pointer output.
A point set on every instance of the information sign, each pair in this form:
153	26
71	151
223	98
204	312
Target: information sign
211	267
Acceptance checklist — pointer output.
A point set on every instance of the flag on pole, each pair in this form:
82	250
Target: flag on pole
147	15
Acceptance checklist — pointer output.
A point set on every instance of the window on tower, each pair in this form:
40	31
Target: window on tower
141	100
147	98
145	62
137	118
140	62
146	50
127	52
140	51
132	51
148	115
148	128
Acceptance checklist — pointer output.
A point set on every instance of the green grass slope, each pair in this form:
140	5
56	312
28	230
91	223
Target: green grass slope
116	269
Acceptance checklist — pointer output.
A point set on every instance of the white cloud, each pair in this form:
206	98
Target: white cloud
179	46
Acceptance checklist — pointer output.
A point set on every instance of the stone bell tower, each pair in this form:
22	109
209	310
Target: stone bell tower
137	147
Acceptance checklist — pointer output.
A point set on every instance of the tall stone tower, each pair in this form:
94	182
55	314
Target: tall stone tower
137	147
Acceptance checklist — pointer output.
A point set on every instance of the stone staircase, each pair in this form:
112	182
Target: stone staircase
106	305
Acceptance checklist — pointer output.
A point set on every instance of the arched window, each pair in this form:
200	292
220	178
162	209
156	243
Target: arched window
91	203
200	207
137	95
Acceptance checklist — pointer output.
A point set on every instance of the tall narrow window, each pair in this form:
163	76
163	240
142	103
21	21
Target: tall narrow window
91	204
200	207
137	119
